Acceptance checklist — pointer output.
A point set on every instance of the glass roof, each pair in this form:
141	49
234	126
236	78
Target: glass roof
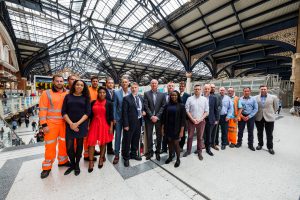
84	35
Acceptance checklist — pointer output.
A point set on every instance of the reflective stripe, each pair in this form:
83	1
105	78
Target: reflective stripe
49	98
47	164
50	141
48	161
62	158
54	110
60	138
54	117
43	108
42	118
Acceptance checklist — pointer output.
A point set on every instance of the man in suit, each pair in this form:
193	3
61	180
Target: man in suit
184	96
132	113
110	97
118	101
211	120
265	117
170	88
154	103
216	127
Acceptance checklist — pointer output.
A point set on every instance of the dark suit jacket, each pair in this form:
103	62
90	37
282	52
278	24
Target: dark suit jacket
109	97
130	112
180	118
109	111
213	109
149	104
184	97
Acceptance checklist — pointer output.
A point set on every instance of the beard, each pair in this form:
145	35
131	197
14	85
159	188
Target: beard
59	87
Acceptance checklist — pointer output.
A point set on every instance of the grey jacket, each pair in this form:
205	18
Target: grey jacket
267	111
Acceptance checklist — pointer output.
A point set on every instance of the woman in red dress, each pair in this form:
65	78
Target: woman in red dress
101	127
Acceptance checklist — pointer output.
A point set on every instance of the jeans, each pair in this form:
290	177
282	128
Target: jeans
118	137
250	127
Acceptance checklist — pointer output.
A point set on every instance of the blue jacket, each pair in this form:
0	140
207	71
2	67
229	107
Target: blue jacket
118	100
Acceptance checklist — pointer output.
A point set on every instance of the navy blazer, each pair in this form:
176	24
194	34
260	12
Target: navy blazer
109	97
184	97
213	109
130	112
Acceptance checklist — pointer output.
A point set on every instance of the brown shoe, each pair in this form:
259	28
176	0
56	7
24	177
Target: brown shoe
215	147
116	160
200	156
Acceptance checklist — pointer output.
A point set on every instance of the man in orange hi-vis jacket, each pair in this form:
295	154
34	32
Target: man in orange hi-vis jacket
53	125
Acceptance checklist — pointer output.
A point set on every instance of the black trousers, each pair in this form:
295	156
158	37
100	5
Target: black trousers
208	134
269	127
183	139
109	145
149	134
224	129
74	156
131	139
250	127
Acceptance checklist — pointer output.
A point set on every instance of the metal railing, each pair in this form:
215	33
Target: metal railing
8	137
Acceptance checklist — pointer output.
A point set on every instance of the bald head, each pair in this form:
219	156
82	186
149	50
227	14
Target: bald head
230	91
154	84
222	91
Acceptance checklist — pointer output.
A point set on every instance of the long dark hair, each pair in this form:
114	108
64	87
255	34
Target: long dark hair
178	97
85	91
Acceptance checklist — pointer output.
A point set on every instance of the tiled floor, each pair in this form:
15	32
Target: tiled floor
231	174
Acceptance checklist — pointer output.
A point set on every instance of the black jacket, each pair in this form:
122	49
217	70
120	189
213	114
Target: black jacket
180	118
130	112
109	111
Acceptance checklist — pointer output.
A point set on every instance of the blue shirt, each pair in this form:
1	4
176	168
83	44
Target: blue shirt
227	106
263	100
250	106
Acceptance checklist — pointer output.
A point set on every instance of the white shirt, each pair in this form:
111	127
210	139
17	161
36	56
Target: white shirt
196	106
125	94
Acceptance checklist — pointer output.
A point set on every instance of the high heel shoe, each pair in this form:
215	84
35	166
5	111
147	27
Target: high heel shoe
100	164
92	167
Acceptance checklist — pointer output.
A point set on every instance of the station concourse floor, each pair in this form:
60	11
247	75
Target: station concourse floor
230	174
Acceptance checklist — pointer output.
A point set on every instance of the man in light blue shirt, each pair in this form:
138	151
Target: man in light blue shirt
250	108
225	115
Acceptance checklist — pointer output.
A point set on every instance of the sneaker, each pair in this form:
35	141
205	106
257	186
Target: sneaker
186	154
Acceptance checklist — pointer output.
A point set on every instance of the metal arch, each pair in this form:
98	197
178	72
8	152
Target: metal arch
207	28
238	19
263	67
232	42
245	60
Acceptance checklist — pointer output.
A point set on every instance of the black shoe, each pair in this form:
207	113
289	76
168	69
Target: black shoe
231	145
238	145
258	147
138	158
177	163
148	157
67	164
97	153
251	148
223	147
45	173
186	154
69	170
271	151
157	157
126	163
77	172
87	159
200	156
209	152
168	160
196	151
91	168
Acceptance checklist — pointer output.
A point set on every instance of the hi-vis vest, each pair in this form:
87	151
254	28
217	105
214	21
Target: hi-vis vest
50	107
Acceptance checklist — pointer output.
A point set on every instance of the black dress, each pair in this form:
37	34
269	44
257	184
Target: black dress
174	116
75	107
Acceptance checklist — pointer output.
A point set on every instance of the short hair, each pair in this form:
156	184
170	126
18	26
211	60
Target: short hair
197	85
154	80
109	79
134	83
57	76
124	78
70	76
263	86
101	88
182	83
231	88
94	77
246	88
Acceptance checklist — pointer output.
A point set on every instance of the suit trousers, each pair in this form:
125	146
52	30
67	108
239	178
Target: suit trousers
118	137
199	131
250	127
131	140
269	127
208	134
224	129
149	134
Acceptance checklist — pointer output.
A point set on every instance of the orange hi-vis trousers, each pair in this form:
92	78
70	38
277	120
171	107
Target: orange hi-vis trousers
57	133
232	131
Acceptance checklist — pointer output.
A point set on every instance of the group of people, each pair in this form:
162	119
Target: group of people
81	117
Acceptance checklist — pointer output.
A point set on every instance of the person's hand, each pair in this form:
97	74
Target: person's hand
226	119
144	113
154	119
111	130
216	122
74	127
181	134
195	121
236	119
114	121
246	118
126	128
46	129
